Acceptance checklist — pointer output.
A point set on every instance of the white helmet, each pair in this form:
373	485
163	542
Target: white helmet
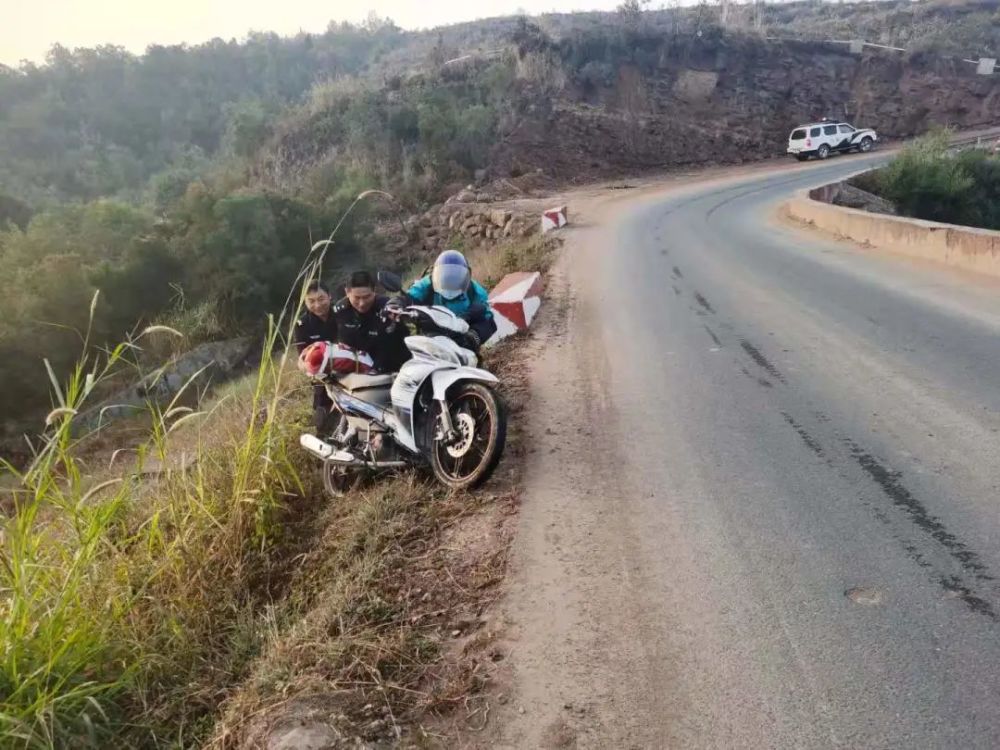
451	275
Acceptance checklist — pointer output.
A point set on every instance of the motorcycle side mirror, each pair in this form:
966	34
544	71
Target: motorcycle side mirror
391	282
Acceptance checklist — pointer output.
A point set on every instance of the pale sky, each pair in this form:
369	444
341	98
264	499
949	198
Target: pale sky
28	28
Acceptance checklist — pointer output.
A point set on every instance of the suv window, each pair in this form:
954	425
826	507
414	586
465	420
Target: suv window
814	132
798	135
846	129
830	130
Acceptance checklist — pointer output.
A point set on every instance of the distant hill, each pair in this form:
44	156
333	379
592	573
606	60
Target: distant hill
103	122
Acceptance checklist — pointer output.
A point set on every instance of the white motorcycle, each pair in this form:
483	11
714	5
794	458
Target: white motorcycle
439	410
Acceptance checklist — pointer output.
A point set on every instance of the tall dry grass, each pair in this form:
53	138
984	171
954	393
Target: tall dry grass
129	605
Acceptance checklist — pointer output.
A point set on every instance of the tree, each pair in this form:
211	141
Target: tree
248	125
633	100
14	211
439	54
49	272
376	24
242	250
630	11
137	287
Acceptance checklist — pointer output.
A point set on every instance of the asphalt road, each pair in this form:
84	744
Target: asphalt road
771	516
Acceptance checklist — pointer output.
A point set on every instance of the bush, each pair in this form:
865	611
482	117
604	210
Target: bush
48	276
235	255
928	181
13	211
925	182
243	249
984	208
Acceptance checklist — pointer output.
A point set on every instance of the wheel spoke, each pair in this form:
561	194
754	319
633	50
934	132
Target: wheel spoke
474	417
473	409
480	452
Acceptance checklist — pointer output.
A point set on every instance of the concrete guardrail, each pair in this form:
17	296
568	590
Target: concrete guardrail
959	246
962	247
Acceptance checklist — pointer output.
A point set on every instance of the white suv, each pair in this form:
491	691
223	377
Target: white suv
821	139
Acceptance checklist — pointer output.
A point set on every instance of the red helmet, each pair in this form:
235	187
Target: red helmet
322	357
313	359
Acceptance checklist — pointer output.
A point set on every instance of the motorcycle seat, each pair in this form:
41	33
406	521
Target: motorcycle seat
357	381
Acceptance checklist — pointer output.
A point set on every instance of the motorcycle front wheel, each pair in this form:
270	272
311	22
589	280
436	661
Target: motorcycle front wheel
479	417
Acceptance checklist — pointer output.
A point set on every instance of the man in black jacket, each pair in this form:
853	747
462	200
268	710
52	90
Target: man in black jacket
317	324
355	321
362	326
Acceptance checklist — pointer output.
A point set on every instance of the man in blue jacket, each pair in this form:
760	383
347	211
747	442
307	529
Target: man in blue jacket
450	285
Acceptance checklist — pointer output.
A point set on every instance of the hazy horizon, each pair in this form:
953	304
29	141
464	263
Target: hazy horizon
32	30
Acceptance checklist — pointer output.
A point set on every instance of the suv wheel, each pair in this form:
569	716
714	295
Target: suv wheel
866	144
823	151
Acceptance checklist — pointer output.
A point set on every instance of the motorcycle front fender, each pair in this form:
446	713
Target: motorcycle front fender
442	380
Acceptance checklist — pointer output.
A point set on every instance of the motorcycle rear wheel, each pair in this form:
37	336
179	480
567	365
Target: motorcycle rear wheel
339	481
480	417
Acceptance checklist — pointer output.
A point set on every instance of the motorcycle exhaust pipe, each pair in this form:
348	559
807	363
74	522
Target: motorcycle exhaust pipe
327	452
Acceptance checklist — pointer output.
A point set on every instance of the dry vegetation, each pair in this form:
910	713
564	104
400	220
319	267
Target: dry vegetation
220	602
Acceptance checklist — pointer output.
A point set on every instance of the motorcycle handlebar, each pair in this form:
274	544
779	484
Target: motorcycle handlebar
399	312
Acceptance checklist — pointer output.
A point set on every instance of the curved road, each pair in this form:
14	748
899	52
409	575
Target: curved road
767	512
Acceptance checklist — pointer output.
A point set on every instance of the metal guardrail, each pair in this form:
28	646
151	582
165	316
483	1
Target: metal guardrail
978	140
981	137
984	65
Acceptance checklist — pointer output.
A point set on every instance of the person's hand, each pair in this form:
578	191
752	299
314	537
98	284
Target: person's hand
394	307
475	313
389	311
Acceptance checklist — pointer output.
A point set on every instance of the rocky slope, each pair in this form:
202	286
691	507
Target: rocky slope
733	99
627	99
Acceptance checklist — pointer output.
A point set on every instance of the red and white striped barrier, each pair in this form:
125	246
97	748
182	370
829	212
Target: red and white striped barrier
515	300
554	218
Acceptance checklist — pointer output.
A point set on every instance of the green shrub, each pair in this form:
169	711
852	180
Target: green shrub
924	182
929	181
